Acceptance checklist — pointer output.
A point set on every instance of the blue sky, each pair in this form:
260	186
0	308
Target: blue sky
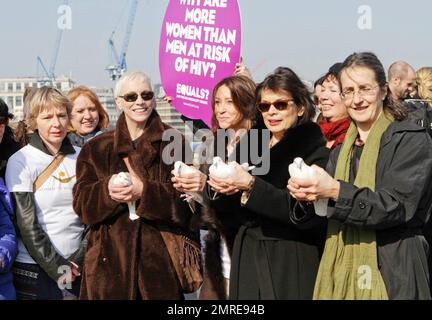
307	35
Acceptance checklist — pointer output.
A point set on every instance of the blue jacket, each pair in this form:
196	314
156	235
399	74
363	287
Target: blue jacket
8	244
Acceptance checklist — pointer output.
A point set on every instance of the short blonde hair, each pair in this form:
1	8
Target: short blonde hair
43	99
129	76
424	83
74	93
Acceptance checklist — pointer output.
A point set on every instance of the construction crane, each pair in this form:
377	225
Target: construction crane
119	65
50	73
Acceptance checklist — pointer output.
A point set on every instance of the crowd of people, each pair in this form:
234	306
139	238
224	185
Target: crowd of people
90	213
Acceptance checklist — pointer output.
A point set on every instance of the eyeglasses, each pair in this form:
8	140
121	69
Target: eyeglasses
280	105
363	92
132	97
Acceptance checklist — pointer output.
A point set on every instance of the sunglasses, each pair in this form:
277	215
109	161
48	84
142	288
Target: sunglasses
132	97
280	105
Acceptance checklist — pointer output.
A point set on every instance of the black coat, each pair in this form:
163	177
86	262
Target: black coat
273	258
397	210
8	146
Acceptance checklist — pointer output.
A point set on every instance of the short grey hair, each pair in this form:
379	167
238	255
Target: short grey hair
129	76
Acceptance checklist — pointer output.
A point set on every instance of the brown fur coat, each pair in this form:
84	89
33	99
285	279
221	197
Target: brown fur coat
128	259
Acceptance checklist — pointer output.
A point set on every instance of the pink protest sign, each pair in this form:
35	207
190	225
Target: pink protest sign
200	45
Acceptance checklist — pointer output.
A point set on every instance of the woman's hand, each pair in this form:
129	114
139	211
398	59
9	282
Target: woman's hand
168	99
242	70
126	193
222	186
192	182
322	186
137	189
240	181
75	271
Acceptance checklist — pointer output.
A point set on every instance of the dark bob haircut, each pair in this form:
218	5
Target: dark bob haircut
285	80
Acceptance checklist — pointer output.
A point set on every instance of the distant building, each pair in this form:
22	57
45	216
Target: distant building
12	90
106	98
170	115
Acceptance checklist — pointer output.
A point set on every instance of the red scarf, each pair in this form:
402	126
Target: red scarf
335	131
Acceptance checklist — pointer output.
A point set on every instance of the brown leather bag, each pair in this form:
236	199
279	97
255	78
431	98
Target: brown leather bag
185	255
48	171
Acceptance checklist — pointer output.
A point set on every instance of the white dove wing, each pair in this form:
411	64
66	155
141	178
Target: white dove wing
308	172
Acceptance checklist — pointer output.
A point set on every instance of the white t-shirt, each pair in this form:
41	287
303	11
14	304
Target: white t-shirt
54	209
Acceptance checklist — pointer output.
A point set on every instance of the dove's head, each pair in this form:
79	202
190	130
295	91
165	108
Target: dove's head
298	162
124	177
178	164
217	160
177	168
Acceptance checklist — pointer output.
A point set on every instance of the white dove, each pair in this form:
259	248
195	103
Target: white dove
221	170
300	170
180	169
123	178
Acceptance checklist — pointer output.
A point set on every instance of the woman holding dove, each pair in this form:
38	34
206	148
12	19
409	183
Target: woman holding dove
233	116
127	257
379	186
276	256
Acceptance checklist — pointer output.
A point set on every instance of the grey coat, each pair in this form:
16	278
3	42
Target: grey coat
397	210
